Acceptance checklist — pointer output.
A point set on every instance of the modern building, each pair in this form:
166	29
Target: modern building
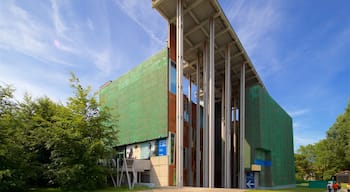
228	129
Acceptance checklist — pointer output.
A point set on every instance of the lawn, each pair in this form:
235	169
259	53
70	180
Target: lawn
298	189
303	187
109	189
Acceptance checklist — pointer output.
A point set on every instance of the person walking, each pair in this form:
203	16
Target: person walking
335	187
329	187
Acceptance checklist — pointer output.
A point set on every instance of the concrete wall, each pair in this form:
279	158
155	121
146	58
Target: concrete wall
159	174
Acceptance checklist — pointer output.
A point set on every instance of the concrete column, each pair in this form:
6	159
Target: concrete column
205	117
179	94
190	143
223	135
228	114
242	129
211	103
198	130
234	157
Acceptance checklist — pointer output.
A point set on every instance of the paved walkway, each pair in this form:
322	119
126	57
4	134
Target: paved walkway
190	189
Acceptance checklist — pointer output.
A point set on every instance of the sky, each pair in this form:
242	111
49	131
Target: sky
301	49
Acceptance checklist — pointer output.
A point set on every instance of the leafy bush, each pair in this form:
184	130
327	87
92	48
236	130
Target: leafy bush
43	143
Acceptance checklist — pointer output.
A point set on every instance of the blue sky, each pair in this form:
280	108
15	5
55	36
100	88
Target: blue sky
301	49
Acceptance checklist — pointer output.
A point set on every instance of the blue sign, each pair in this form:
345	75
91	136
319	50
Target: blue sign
263	163
250	180
162	147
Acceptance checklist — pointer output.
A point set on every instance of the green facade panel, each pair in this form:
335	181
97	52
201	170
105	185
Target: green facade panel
269	133
139	100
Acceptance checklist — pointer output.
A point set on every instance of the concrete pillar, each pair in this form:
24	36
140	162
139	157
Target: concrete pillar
198	130
190	143
205	117
234	156
223	135
228	115
179	94
211	103
242	128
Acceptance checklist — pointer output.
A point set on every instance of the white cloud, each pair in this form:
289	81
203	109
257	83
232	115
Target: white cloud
148	19
103	60
35	80
50	45
300	124
298	112
255	24
20	32
58	23
253	21
296	125
302	140
80	42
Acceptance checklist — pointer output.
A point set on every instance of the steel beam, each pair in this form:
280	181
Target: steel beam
179	94
228	114
242	129
211	103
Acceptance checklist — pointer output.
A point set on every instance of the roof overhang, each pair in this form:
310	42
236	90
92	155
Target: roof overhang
196	31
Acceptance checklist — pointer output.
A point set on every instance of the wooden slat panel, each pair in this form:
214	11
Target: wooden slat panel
171	175
185	134
172	51
172	113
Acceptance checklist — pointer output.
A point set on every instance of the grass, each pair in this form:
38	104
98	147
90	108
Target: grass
303	187
298	189
108	189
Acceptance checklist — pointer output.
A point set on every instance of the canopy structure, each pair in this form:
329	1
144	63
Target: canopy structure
209	54
196	15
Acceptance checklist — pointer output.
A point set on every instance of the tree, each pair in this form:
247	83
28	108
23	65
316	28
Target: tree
37	117
81	135
46	143
322	164
12	156
328	156
304	160
338	136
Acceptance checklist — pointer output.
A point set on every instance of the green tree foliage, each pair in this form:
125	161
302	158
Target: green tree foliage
12	157
80	137
45	143
303	163
338	137
328	156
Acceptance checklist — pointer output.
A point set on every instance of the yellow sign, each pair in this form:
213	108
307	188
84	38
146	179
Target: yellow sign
255	167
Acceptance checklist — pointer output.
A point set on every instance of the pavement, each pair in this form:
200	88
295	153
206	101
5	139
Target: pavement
190	189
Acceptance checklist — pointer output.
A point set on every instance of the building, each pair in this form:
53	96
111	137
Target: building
342	177
230	132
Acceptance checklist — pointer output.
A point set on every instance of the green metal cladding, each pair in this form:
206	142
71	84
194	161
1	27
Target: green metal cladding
139	100
269	134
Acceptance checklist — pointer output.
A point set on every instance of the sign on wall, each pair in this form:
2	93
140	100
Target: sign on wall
162	146
250	180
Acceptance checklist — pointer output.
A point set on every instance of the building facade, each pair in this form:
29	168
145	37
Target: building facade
201	96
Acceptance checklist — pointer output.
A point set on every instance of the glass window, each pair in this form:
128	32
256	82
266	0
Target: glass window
172	148
172	77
